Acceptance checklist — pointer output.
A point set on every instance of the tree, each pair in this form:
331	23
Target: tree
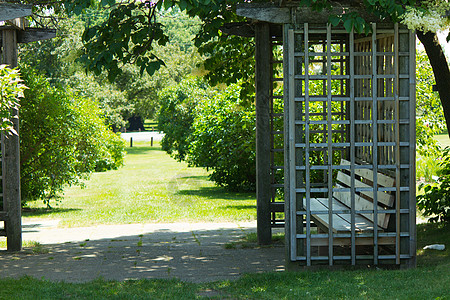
223	140
210	128
132	30
63	139
131	95
177	113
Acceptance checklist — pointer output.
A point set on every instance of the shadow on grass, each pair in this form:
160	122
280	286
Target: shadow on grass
239	207
428	234
141	150
43	211
217	193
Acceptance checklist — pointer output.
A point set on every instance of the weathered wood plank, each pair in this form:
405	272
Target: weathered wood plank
266	12
363	204
9	11
30	35
3	216
382	196
294	13
383	180
11	159
341	222
361	241
263	55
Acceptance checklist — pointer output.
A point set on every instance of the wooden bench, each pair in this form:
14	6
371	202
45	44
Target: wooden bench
363	201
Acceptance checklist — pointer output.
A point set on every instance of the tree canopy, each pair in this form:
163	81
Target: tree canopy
130	32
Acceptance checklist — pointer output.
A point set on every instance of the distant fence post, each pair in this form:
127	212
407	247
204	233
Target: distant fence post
131	141
151	141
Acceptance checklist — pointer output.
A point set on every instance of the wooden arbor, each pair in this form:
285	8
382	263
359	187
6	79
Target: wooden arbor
12	33
349	132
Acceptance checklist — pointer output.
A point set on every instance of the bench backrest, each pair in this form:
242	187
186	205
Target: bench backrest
364	200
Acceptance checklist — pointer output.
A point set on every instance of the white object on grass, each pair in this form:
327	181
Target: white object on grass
435	247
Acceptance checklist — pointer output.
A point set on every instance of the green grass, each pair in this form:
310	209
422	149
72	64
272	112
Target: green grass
29	247
150	124
151	187
443	139
430	280
429	166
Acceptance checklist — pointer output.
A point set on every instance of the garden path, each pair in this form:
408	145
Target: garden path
194	252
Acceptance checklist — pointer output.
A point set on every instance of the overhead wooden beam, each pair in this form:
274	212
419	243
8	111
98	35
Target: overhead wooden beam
247	29
244	29
9	11
292	12
33	35
266	12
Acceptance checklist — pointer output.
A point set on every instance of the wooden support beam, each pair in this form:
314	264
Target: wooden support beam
266	12
11	157
9	11
30	35
263	53
292	12
247	29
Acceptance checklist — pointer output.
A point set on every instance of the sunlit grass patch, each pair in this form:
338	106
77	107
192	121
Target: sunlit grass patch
151	187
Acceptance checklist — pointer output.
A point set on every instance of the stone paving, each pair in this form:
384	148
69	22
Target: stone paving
193	252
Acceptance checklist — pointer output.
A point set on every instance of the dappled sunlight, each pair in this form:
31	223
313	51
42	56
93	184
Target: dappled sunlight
196	255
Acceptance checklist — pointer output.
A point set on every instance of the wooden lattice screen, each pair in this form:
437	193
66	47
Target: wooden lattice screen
350	150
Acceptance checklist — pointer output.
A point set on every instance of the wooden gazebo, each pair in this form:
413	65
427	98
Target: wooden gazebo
349	137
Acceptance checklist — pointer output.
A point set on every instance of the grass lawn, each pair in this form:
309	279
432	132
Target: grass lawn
151	187
430	280
443	139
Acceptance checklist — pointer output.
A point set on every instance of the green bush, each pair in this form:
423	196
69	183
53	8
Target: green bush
63	139
210	129
435	202
176	115
223	139
11	89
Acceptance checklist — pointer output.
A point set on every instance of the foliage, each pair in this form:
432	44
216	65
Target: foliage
131	94
111	101
435	202
428	165
141	91
179	27
177	113
430	118
11	90
128	36
63	139
223	139
430	17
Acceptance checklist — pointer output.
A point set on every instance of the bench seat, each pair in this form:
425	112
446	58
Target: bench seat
341	203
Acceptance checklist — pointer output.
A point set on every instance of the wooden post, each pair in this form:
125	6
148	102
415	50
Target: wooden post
263	89
151	141
131	142
11	158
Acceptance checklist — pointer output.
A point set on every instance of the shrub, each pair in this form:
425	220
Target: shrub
223	139
63	139
11	89
435	202
176	115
